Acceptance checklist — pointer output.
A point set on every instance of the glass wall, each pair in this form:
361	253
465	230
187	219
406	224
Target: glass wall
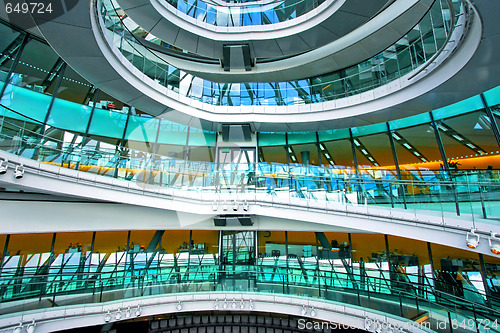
74	87
468	136
416	142
305	153
9	39
110	241
175	241
465	129
285	258
34	66
73	242
492	275
341	152
272	147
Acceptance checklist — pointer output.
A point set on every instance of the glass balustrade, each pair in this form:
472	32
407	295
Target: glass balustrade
39	270
408	54
472	193
253	13
87	278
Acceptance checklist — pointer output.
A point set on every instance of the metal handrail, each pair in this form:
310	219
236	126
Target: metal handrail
99	280
324	176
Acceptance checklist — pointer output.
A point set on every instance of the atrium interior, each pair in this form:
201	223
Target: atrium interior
199	166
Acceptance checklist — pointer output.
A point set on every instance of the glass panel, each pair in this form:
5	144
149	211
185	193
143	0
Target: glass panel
469	104
457	273
69	242
272	256
273	154
175	241
36	62
271	139
492	265
28	250
110	241
108	123
73	87
8	37
307	154
69	116
171	133
341	152
333	134
177	152
201	138
470	135
492	96
415	140
27	102
143	129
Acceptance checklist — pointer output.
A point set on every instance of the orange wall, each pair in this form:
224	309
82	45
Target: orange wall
479	162
107	241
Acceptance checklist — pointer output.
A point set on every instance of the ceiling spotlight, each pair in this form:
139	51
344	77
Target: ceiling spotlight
235	205
224	206
246	206
118	314
128	312
4	165
18	328
224	305
138	311
472	239
313	312
250	305
214	206
19	172
179	306
107	317
494	243
242	304
216	304
304	310
31	327
368	324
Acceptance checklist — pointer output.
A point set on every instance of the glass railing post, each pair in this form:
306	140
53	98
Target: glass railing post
100	292
450	322
283	283
319	285
391	195
475	318
401	312
483	207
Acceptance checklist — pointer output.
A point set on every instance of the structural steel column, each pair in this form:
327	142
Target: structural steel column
445	160
494	125
54	93
484	277
25	41
396	163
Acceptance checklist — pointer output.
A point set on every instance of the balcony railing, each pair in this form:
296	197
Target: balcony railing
157	274
243	14
408	54
473	193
